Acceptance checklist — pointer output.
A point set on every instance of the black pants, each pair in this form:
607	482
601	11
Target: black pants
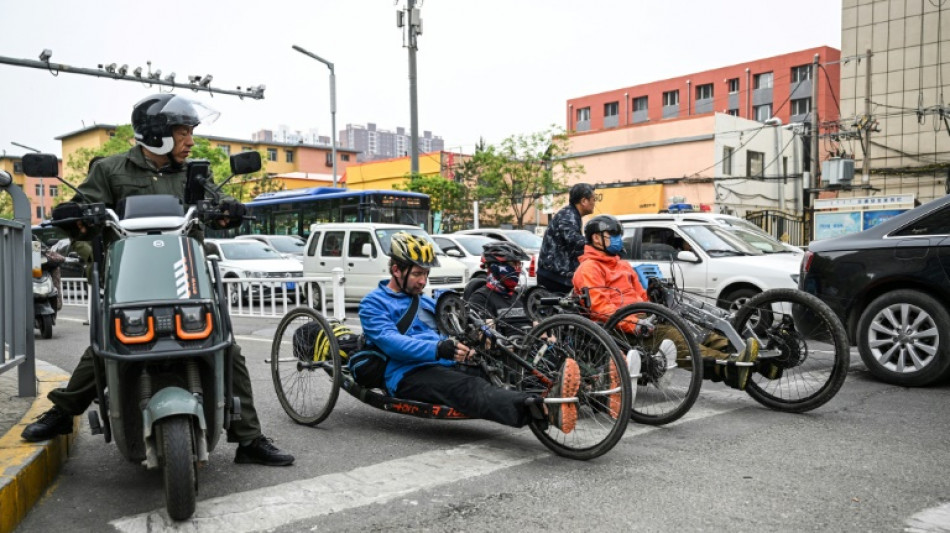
553	285
465	389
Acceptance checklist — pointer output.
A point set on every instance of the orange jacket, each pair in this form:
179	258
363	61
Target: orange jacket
611	283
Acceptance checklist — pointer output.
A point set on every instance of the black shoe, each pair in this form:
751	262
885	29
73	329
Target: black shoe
48	425
263	452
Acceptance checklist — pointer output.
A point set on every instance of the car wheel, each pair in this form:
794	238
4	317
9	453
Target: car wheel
904	338
235	294
735	299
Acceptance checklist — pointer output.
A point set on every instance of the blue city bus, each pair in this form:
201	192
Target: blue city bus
292	212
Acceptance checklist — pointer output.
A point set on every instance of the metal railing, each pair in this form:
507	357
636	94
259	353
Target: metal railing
254	297
16	296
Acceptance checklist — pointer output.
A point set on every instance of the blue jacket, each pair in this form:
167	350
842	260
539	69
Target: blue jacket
380	311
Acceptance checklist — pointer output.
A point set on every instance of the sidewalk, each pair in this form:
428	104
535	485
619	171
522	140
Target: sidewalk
27	469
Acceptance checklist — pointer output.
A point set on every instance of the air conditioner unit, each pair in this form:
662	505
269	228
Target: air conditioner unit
837	171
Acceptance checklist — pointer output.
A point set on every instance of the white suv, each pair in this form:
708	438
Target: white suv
707	259
361	249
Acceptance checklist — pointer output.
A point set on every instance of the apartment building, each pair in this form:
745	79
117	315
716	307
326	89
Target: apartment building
375	144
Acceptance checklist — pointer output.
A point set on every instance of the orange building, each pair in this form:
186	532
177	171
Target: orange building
41	191
779	86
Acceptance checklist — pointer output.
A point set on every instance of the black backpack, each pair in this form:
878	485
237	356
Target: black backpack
310	344
368	367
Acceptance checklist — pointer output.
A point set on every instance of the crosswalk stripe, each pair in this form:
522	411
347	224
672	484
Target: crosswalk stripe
272	507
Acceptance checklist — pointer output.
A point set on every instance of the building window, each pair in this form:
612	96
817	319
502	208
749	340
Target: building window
329	159
671	98
38	190
733	85
763	112
801	73
289	156
754	164
640	104
39	212
727	152
583	114
762	81
272	154
226	148
704	92
611	109
801	106
54	190
345	157
18	167
733	112
247	149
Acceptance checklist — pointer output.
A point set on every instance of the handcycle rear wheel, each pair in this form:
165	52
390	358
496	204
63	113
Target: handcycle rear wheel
306	366
669	381
605	390
804	351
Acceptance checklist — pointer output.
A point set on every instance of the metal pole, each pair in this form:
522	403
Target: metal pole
42	187
332	101
866	178
413	104
813	179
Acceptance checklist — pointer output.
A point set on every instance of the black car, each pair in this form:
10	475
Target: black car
890	286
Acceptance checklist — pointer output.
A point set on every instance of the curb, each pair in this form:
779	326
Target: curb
28	468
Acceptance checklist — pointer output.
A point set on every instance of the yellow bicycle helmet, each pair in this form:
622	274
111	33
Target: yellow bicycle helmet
347	341
408	249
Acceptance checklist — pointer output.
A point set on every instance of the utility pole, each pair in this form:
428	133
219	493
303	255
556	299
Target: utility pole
813	177
412	20
866	177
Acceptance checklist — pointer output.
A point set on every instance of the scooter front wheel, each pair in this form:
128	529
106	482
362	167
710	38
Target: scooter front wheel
178	464
45	325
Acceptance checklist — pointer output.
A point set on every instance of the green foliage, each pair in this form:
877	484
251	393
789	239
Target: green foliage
77	167
6	206
511	179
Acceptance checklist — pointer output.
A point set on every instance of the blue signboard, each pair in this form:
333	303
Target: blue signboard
828	225
873	218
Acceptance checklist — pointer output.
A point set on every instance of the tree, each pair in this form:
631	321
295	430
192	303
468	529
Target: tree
513	177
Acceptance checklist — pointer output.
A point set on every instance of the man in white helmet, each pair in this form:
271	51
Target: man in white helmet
163	124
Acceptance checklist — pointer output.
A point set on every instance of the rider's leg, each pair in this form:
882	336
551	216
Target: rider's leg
465	389
68	402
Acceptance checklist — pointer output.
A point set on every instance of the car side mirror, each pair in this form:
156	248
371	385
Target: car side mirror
453	253
367	250
687	257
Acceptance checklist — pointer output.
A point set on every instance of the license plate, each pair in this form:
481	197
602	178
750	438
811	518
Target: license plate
290	285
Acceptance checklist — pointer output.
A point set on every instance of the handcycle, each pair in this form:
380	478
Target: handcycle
308	381
803	353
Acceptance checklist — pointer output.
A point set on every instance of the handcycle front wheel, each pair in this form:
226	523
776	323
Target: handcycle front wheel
306	366
804	351
671	368
603	397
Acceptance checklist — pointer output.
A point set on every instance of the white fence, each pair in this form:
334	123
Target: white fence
254	297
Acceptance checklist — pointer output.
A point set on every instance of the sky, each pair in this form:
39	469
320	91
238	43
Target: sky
488	69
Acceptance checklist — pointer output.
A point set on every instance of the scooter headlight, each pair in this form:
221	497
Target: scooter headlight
193	323
134	326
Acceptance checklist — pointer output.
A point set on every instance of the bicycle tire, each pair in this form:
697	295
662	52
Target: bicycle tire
666	390
600	414
808	375
299	382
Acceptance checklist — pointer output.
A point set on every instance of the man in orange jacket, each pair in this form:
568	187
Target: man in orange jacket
612	283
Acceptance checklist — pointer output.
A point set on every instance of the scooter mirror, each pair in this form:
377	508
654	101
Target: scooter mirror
245	163
41	165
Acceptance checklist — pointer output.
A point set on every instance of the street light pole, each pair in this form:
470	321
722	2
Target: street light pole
42	187
413	22
332	103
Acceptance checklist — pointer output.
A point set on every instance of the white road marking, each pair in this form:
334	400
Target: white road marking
271	507
930	520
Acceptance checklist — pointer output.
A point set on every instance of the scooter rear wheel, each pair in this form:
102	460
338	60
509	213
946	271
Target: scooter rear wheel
45	324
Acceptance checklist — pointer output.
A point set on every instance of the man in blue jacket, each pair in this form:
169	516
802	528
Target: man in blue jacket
424	365
564	242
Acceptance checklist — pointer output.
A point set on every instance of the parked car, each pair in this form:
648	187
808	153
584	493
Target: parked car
253	259
705	258
890	286
743	229
465	248
289	246
523	238
361	249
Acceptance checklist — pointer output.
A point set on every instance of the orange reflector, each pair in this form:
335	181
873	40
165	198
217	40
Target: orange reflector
194	335
137	339
37	272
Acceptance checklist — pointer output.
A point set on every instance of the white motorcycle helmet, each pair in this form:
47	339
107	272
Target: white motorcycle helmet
154	118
